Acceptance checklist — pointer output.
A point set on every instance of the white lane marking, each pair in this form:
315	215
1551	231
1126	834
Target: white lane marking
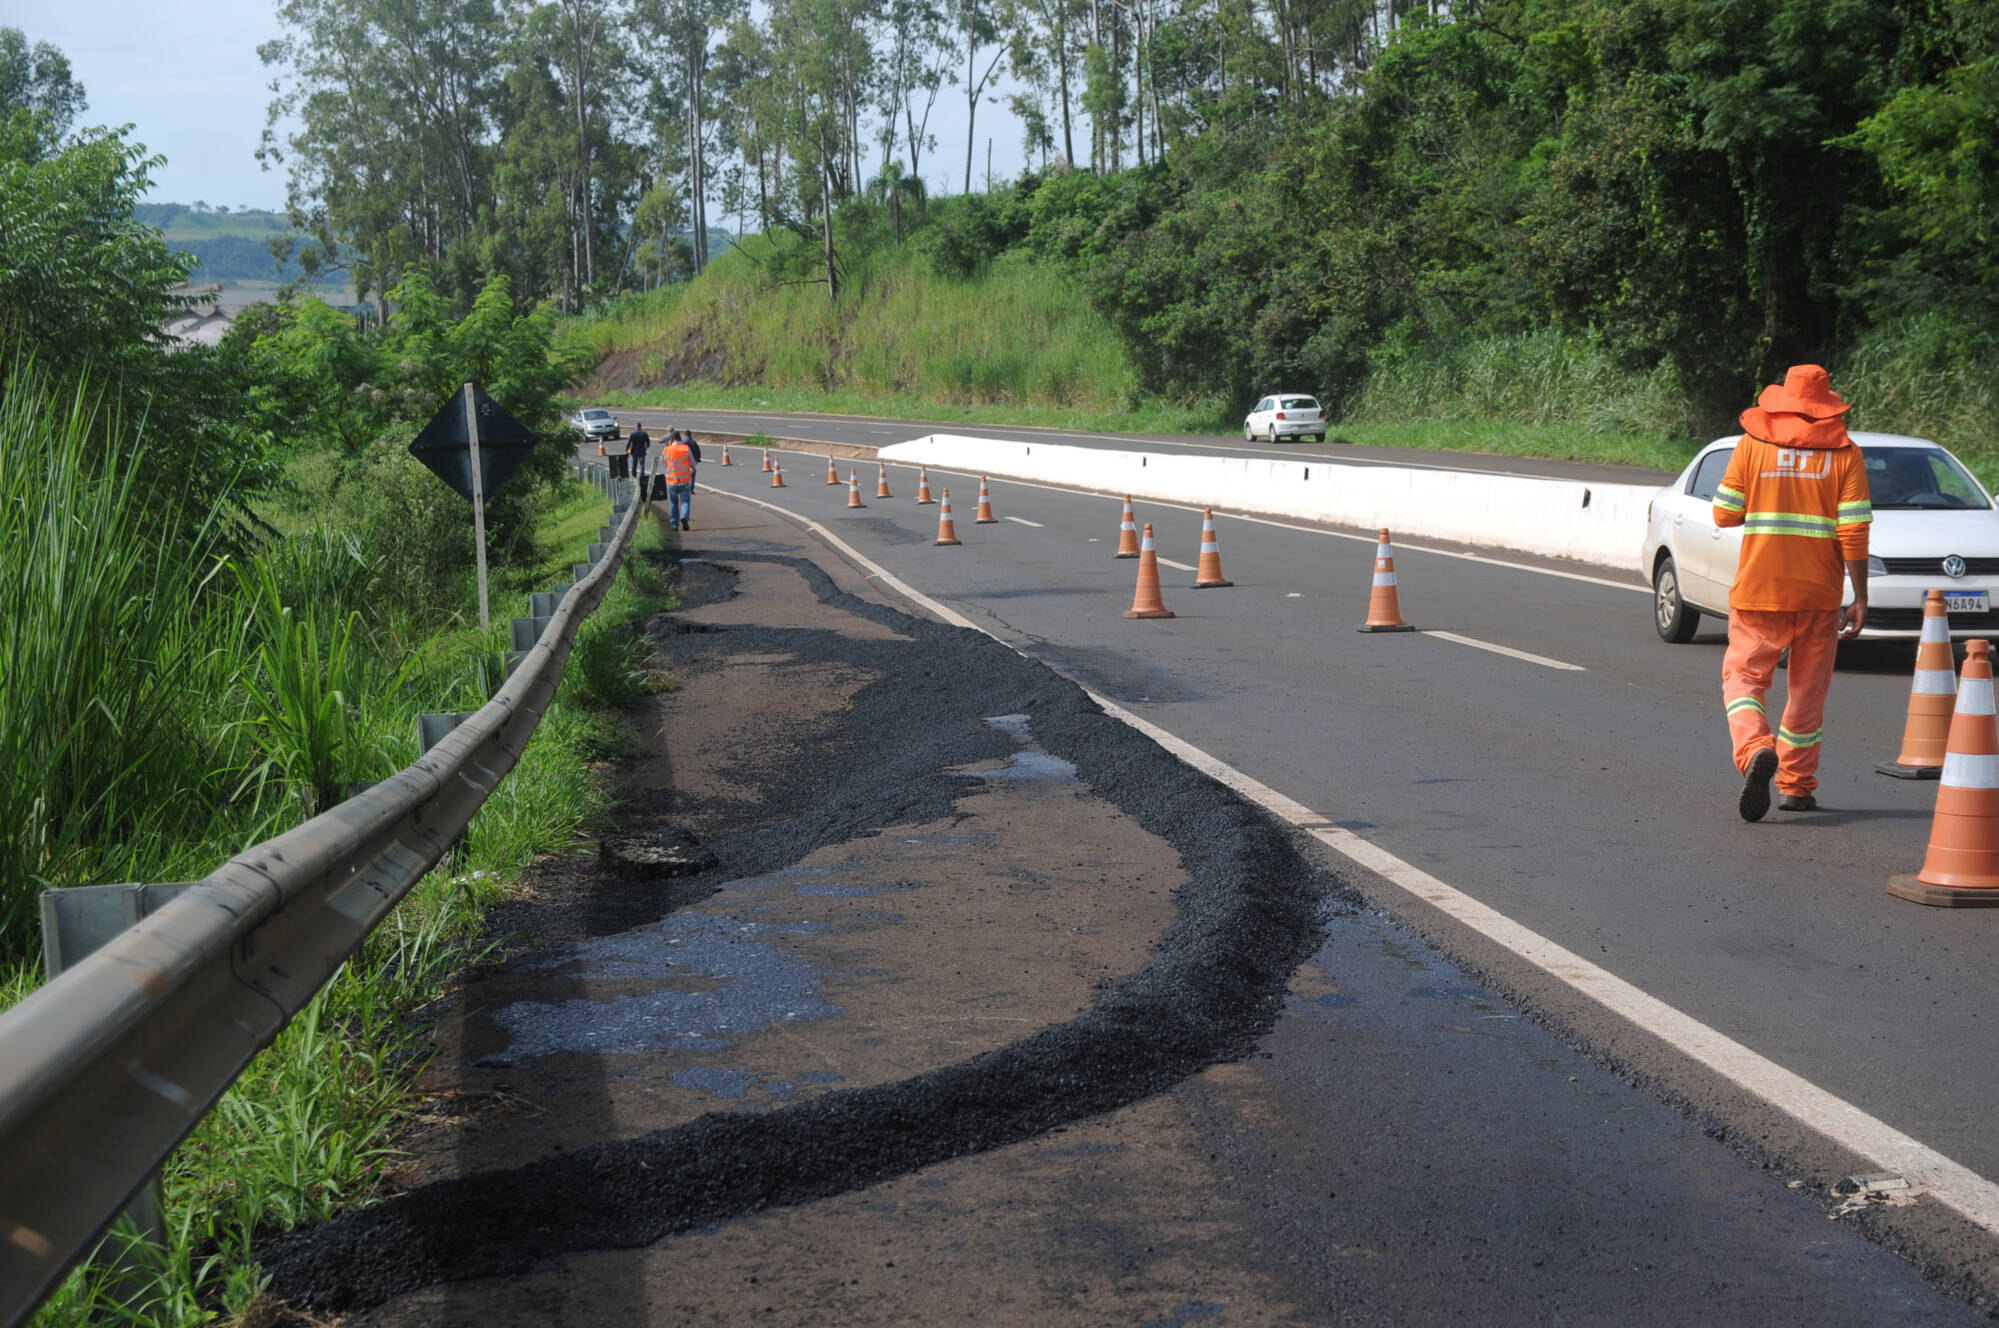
1952	1184
1168	562
1021	520
1477	644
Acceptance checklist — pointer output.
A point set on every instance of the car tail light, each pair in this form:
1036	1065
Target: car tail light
1280	414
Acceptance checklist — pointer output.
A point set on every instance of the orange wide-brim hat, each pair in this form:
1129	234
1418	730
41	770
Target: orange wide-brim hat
1803	409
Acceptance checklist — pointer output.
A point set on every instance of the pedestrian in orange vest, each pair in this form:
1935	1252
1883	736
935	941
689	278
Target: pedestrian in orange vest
676	464
1798	488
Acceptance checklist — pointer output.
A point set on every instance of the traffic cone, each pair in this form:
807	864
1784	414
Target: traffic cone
1931	698
881	482
923	498
777	477
1384	608
1146	603
1209	575
600	445
766	461
725	455
985	516
1127	534
947	533
854	490
1961	869
832	472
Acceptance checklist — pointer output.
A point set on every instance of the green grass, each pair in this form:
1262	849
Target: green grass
1150	416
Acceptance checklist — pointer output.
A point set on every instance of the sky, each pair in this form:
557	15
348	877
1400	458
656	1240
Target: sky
186	75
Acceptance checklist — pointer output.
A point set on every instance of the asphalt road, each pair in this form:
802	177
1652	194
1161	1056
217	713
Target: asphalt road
1594	804
861	431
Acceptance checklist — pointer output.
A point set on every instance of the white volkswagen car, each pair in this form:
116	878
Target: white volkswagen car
1934	528
1286	415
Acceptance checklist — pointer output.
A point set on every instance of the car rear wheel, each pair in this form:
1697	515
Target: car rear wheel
1273	435
1673	616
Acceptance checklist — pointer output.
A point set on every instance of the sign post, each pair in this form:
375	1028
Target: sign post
478	499
474	446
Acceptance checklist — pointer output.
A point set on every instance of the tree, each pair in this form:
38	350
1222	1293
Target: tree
37	87
979	24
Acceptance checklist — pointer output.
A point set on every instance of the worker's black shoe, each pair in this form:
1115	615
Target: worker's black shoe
1754	803
1797	802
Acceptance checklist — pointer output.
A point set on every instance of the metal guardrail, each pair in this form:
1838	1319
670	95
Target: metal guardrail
108	1067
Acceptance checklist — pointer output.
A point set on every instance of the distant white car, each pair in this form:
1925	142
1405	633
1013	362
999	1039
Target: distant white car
1286	415
595	422
1934	528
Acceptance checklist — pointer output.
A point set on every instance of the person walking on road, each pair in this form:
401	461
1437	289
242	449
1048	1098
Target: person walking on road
1797	486
676	463
636	447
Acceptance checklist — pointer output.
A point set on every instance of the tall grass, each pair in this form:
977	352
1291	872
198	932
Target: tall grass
1020	333
1932	375
107	610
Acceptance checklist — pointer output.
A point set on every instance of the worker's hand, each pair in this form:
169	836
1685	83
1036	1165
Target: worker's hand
1851	619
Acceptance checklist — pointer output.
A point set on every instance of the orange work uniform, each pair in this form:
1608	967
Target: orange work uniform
677	464
1804	511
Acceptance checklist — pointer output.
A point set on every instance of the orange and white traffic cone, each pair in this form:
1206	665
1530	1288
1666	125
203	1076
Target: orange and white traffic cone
1932	696
1384	607
766	461
947	533
881	481
725	455
1127	533
1146	603
1961	869
854	490
923	498
1209	575
777	477
985	516
832	472
600	446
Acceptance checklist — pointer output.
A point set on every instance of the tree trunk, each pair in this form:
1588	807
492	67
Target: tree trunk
1062	66
583	156
826	209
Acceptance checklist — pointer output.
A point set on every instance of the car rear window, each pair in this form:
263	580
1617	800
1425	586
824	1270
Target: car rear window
1300	403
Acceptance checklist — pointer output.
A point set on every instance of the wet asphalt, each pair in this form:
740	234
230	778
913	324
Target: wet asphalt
1424	1153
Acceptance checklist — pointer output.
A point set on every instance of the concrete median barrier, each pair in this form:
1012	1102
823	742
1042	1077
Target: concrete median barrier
1594	523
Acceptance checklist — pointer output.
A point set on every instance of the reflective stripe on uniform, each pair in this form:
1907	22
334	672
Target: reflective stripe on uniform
1811	739
1972	772
1789	523
1730	500
1745	703
1856	513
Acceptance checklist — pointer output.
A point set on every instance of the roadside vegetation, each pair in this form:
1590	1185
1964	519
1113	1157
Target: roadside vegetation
227	592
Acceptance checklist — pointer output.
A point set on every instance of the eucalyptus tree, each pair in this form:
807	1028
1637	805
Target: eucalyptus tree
685	32
37	85
392	100
979	24
914	66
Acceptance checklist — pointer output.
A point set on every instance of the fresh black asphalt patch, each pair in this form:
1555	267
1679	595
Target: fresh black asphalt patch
1248	916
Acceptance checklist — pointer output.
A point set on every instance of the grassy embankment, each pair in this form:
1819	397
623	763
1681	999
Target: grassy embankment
206	704
1020	344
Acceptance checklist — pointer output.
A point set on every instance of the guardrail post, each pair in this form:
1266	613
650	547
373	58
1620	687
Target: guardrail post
75	921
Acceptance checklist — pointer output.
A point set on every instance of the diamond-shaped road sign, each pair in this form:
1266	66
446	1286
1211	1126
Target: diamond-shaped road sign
503	444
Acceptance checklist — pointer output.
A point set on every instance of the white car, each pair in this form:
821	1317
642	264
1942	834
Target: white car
1286	415
595	422
1934	528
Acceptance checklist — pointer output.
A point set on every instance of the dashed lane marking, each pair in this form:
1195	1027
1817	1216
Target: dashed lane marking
1168	562
1509	651
1950	1183
1023	521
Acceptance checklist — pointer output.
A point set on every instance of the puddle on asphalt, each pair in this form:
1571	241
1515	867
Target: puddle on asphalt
1029	763
756	985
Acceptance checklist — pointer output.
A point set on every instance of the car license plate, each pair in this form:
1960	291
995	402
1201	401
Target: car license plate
1964	601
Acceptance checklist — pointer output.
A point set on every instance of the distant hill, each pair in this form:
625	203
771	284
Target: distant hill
229	245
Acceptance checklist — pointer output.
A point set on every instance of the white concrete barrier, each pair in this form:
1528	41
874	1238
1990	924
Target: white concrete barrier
1594	523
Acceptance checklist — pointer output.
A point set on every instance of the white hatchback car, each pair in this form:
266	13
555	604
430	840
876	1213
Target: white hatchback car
1934	528
1286	415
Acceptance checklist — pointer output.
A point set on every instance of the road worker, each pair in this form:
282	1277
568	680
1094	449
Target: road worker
1797	486
676	463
